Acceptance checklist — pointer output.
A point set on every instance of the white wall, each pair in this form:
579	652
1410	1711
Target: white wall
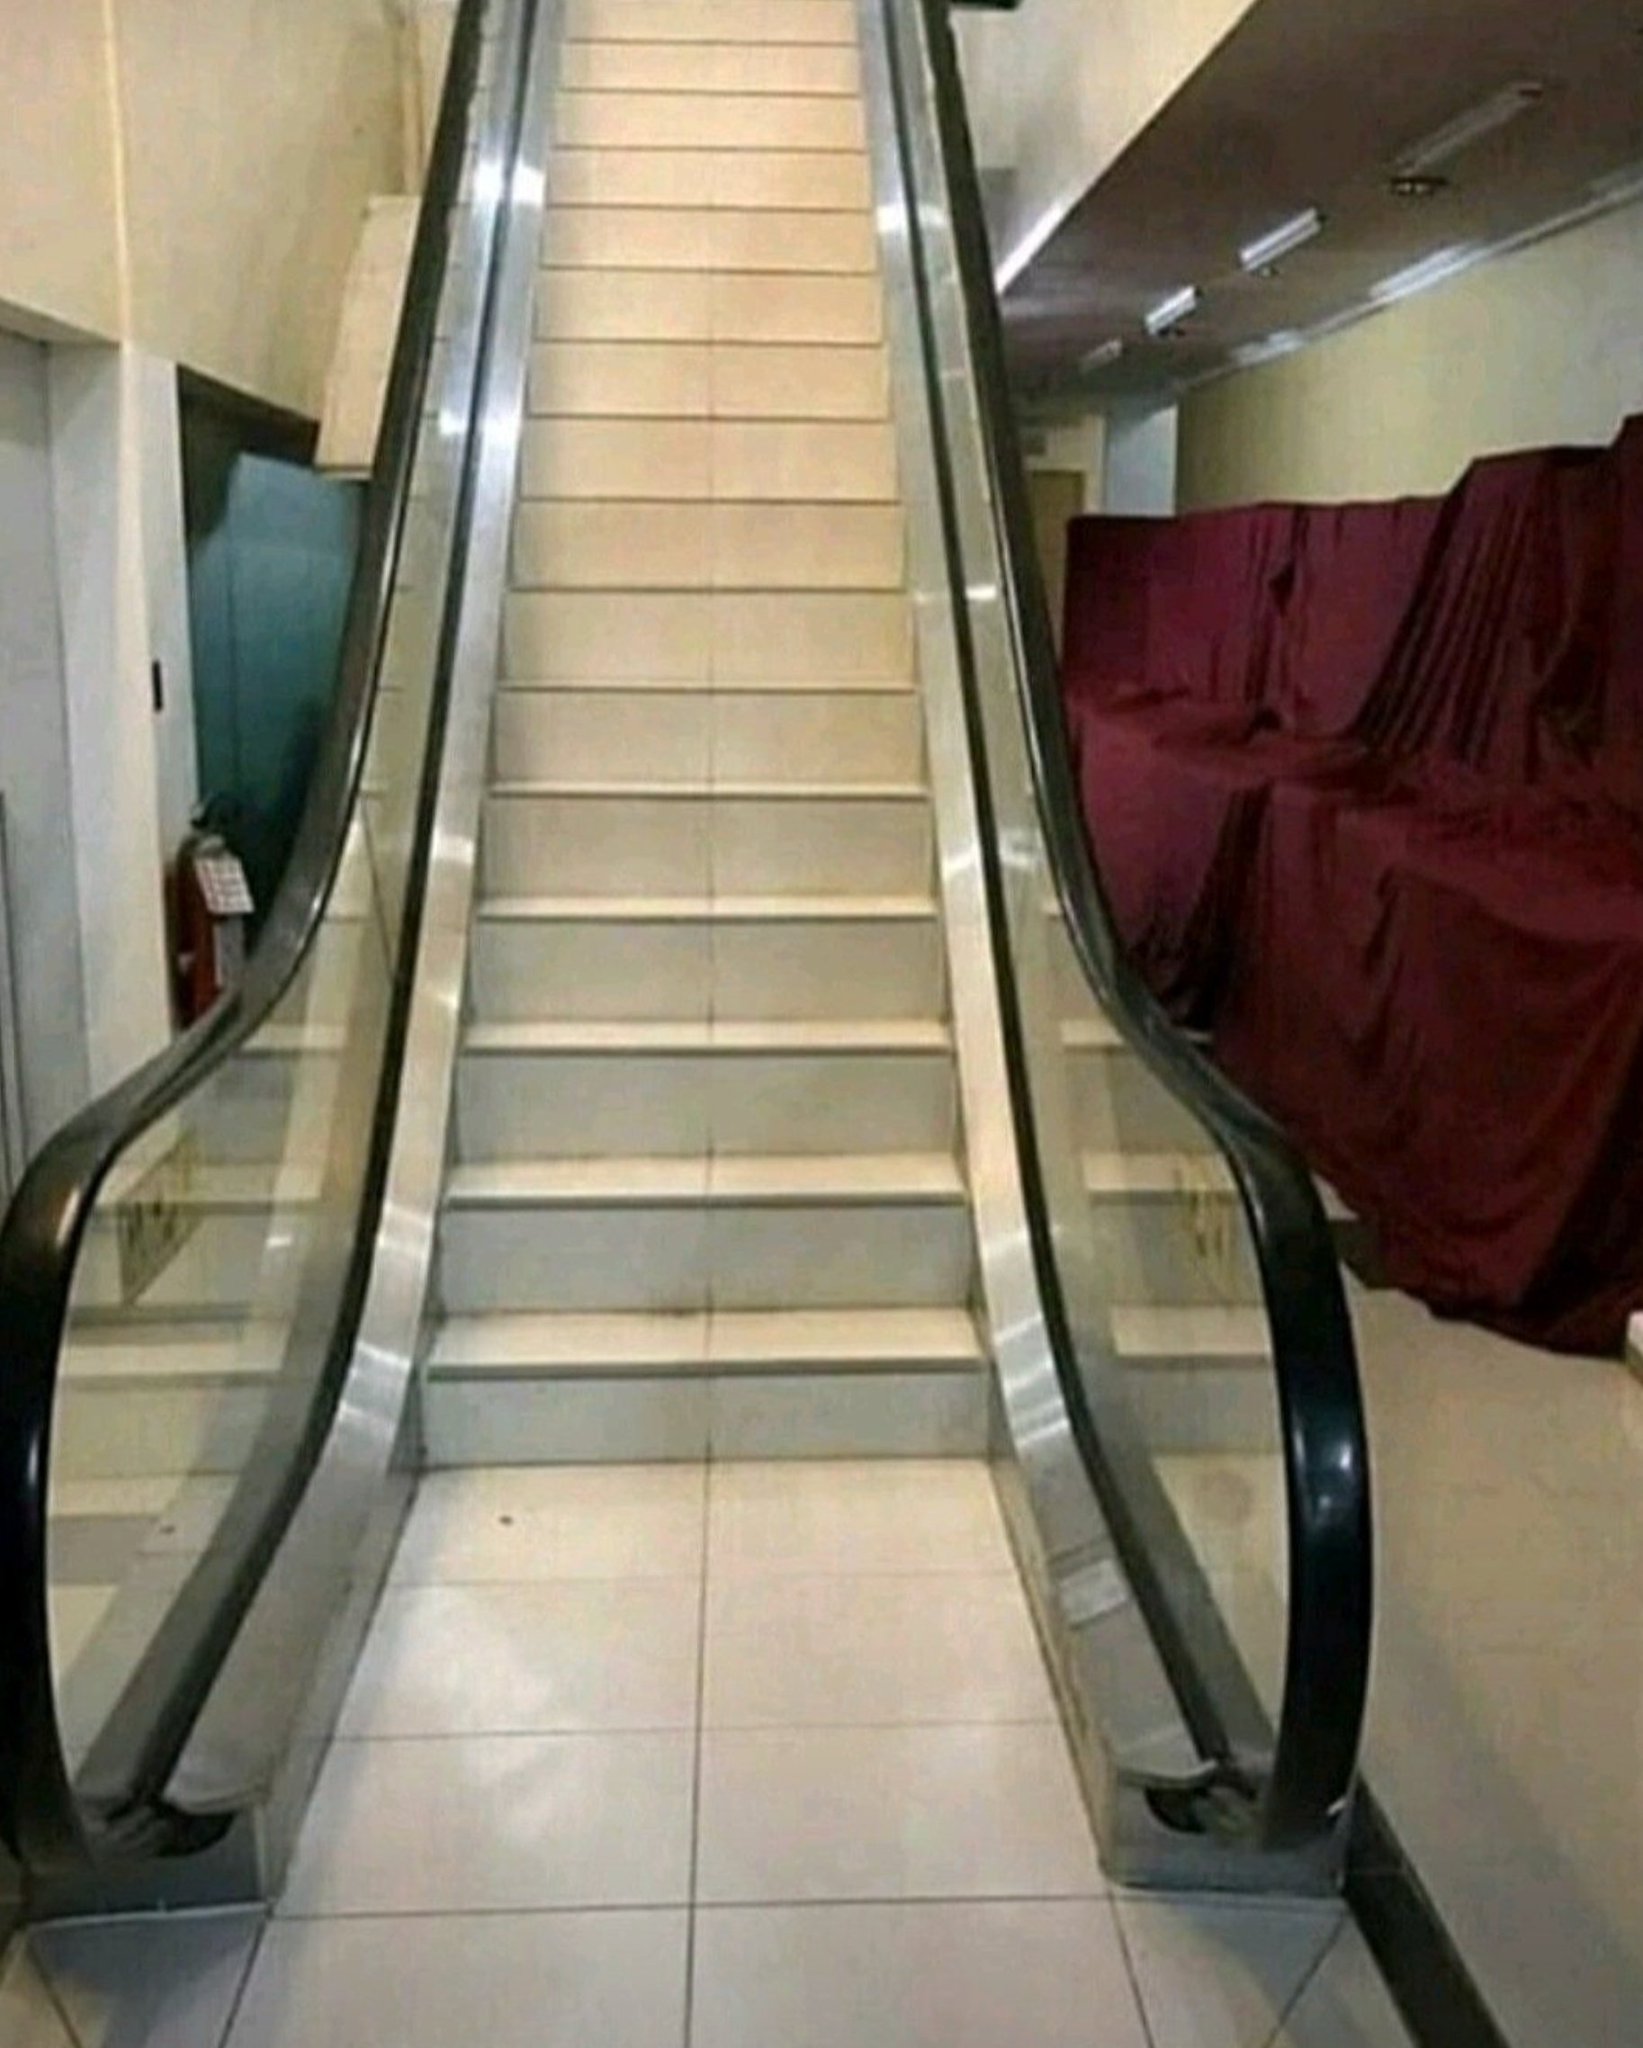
1140	478
165	590
1058	88
95	418
1542	346
35	780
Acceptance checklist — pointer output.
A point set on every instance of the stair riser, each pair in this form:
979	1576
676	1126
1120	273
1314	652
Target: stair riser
634	120
711	67
583	1105
703	237
717	380
1123	1108
132	1432
692	736
892	1255
248	1117
329	982
1174	1248
649	637
535	1422
692	461
1206	1408
793	311
219	1266
775	180
1075	1000
691	969
711	21
635	846
571	544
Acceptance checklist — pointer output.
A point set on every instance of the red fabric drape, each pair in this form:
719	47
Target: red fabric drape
1365	784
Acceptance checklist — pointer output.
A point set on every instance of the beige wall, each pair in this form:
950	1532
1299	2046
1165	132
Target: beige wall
253	131
1058	88
248	164
1541	346
58	242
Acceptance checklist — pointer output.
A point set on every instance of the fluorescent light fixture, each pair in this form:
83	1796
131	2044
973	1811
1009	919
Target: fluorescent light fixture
1447	142
1618	187
1253	353
1421	276
1010	267
1172	311
1101	357
1267	250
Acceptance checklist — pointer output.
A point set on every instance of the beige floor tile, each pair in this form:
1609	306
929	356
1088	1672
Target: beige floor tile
581	1522
496	1823
795	1652
794	1816
900	1516
1048	1974
509	1980
549	1657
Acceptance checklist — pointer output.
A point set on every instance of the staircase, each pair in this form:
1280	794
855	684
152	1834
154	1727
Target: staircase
707	1196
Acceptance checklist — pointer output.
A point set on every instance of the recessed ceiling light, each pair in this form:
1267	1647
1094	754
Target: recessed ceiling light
1262	256
1169	313
1409	185
1447	142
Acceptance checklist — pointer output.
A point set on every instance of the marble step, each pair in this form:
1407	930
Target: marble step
738	957
874	1230
793	1383
596	1090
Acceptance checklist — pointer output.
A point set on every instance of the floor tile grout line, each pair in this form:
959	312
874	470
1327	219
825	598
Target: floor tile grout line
1308	1977
253	1953
48	1983
1130	1971
688	2017
844	1901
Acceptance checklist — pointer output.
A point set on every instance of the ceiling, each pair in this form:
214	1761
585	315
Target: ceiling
1309	103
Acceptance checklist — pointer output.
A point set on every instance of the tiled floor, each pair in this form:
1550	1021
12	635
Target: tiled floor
1509	1491
752	1755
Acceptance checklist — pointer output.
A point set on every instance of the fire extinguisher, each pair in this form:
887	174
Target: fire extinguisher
210	903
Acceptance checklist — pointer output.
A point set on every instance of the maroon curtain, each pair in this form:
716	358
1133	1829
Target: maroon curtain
1366	786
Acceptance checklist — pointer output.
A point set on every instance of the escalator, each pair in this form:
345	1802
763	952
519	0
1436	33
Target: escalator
238	1293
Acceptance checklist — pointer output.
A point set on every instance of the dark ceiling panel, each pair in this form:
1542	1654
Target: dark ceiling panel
1311	103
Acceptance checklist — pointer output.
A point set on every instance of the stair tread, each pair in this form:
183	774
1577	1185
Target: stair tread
710	1036
136	1358
1156	1173
741	1340
224	1185
287	1040
1144	1332
741	686
894	790
718	909
774	1178
1092	1034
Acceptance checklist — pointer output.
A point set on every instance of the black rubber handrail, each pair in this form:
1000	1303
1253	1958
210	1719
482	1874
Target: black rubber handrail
45	1824
1307	1780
